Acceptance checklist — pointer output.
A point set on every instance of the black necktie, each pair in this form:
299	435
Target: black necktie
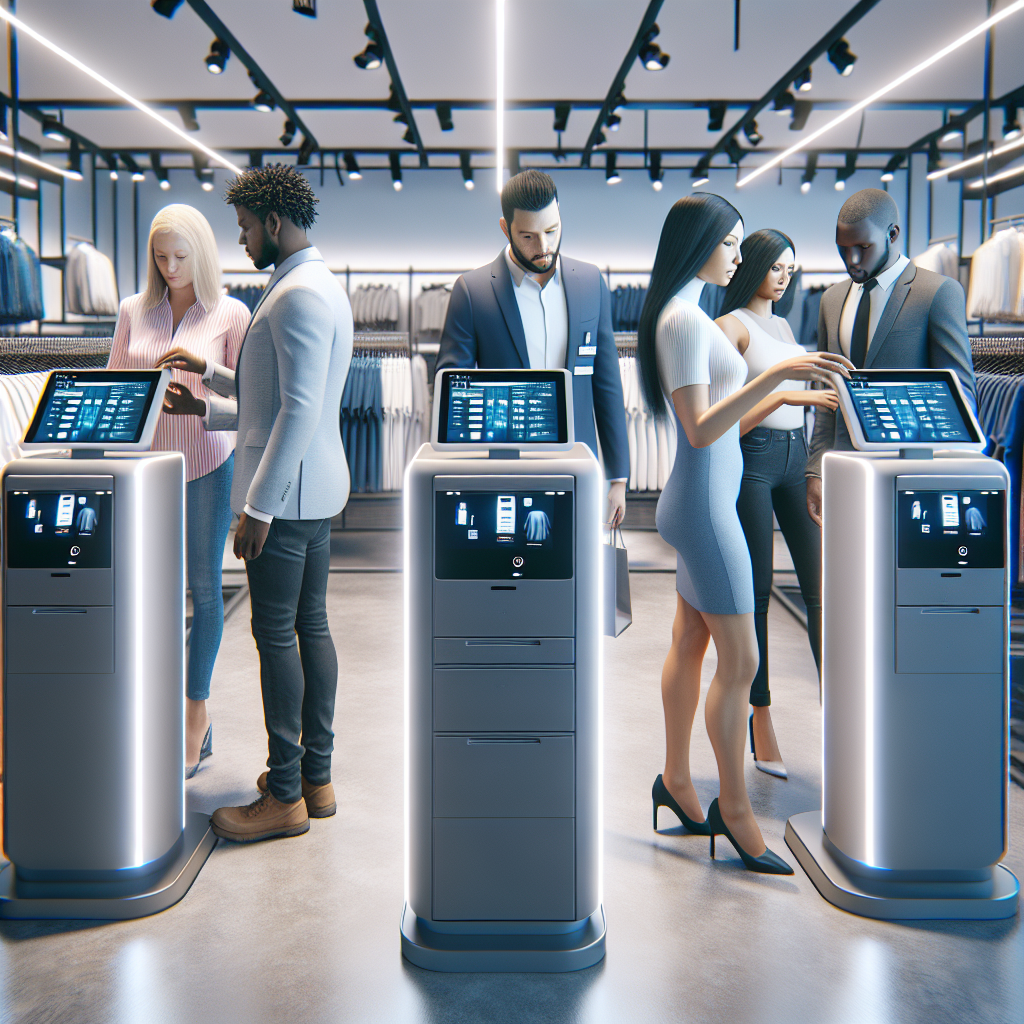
859	338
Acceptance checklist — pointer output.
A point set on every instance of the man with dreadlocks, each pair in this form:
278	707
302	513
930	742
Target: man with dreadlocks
290	479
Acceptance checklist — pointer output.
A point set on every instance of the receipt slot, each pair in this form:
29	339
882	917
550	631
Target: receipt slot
503	682
915	597
93	654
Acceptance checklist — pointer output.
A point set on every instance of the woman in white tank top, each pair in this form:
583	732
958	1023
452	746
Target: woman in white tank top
774	460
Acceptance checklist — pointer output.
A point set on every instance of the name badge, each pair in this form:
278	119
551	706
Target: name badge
588	350
583	371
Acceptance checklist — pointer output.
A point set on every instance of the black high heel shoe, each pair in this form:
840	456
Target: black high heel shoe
204	752
661	797
767	864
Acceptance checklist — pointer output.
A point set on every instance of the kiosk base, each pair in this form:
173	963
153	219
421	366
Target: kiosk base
155	893
504	953
804	836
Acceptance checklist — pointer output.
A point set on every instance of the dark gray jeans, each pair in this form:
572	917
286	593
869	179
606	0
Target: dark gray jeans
298	662
773	481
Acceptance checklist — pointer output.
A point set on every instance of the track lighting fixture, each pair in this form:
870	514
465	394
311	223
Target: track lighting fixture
562	111
841	57
373	56
467	171
734	150
255	158
613	122
444	116
801	111
187	113
784	102
952	134
400	119
352	167
716	117
75	157
201	166
396	171
264	102
408	136
892	167
611	175
846	171
809	172
136	171
306	149
802	82
934	156
1011	126
650	54
159	171
655	171
699	176
53	129
754	137
166	7
217	57
306	7
111	160
288	135
618	103
393	102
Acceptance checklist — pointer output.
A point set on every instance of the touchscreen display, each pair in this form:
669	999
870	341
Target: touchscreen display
54	529
488	535
950	529
88	408
503	409
894	412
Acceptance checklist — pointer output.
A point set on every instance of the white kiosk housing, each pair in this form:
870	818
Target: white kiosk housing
503	681
93	655
915	597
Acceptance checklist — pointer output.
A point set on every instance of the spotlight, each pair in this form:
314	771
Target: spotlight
393	102
754	137
166	7
187	113
611	175
467	171
562	111
111	160
400	118
444	116
650	54
53	129
841	57
136	171
699	176
264	102
892	167
255	158
803	81
408	136
846	171
618	103
206	180
934	157
655	171
305	153
288	135
809	172
1011	126
801	111
306	7
75	157
784	102
200	164
396	171
613	122
217	57
373	56
352	166
805	187
716	117
952	134
159	171
734	150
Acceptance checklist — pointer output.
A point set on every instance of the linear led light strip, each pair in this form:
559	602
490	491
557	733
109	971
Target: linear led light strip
26	182
117	90
971	161
499	105
26	159
1013	8
1002	176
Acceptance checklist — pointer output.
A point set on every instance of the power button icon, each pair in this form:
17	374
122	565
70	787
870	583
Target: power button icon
75	551
962	550
518	561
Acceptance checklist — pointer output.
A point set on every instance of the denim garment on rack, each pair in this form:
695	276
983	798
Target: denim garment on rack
21	291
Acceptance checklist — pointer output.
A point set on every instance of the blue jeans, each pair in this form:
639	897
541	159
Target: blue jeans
298	662
208	511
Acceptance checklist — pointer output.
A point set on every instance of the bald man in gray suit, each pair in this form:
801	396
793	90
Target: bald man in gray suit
890	314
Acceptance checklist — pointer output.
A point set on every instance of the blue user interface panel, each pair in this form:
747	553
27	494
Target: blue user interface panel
907	411
503	409
951	529
83	407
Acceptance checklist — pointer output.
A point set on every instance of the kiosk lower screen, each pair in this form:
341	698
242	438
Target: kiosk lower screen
487	535
57	529
950	529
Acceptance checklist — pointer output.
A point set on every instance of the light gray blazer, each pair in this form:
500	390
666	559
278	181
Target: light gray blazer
289	460
923	326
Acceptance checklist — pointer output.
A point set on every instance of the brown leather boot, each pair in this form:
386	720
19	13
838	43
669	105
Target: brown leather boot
320	801
265	818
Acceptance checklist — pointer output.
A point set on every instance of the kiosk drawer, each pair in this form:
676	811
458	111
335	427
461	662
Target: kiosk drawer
504	776
504	699
60	640
949	640
504	651
519	608
504	869
52	586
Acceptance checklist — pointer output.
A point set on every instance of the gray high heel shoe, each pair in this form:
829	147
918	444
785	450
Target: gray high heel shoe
204	752
776	768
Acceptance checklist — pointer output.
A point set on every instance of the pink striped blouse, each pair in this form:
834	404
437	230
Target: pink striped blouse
143	335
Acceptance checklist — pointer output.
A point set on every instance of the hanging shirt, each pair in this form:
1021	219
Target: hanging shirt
878	296
544	314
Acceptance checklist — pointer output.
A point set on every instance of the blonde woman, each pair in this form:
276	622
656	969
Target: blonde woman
183	311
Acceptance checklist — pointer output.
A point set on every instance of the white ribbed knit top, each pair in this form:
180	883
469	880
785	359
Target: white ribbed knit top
772	341
693	349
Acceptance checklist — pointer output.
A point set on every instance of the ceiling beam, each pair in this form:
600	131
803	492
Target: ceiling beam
396	80
620	78
258	75
835	33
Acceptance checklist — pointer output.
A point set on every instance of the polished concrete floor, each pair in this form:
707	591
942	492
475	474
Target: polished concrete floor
306	929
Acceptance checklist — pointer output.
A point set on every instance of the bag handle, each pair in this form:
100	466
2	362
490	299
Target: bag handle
614	534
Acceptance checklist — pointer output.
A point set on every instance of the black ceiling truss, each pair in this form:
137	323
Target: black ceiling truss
619	81
256	73
820	47
397	89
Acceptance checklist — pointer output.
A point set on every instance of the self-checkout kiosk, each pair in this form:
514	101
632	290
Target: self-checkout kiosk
503	681
93	655
915	598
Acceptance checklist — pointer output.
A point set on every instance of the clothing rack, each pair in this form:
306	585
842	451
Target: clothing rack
626	342
943	238
1011	219
381	342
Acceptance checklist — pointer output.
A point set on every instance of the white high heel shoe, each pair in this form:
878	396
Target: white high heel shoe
776	768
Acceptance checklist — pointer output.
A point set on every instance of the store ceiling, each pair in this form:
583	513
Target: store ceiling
556	50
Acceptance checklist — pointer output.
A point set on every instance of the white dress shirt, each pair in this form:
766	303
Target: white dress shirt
878	296
544	314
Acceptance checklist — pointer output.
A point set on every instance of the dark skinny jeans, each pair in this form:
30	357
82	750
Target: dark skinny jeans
773	481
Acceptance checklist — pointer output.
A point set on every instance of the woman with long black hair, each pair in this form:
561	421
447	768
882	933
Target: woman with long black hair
774	460
684	355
